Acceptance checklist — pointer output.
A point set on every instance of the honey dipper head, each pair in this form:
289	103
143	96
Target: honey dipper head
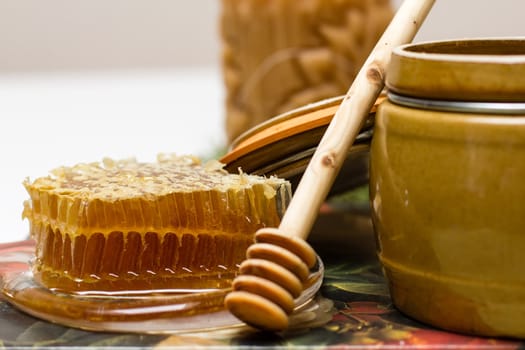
275	273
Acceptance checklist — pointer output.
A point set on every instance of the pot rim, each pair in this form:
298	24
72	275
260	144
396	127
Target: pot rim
412	50
475	69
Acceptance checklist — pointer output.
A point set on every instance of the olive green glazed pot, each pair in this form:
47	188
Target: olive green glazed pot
447	184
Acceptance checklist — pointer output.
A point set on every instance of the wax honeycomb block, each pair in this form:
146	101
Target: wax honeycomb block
124	225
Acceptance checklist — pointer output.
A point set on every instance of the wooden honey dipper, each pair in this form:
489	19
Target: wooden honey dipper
278	264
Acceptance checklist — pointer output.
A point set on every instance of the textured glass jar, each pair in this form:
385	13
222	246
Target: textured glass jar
278	55
447	185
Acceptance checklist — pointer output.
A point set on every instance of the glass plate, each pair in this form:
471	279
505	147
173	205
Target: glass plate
155	312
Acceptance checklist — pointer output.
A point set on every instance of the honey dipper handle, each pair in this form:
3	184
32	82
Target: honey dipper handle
344	127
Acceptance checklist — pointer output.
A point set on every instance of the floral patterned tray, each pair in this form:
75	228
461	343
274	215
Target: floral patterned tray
356	308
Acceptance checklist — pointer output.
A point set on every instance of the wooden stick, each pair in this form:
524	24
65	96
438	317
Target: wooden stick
344	127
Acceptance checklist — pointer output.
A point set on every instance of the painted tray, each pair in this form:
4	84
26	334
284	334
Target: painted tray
352	311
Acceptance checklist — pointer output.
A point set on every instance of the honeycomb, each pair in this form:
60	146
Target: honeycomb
174	224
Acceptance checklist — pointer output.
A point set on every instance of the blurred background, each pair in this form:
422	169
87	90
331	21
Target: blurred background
82	80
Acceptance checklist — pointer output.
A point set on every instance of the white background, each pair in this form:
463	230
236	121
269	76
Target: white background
81	80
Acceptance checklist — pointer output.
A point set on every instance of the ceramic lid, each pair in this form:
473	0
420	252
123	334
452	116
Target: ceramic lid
284	145
491	69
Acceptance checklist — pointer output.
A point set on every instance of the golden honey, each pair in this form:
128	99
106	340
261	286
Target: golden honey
175	224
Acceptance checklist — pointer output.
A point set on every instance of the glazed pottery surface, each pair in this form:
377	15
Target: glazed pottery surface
474	70
447	193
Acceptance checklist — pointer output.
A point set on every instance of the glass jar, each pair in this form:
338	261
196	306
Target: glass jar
279	55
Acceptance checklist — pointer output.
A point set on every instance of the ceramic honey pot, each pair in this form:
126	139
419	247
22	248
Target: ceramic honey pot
447	184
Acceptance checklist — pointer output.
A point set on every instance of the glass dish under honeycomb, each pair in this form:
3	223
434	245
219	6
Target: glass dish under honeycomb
174	224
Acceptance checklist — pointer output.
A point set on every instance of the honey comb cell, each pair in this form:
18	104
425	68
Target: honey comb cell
173	224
